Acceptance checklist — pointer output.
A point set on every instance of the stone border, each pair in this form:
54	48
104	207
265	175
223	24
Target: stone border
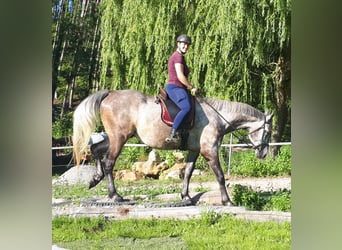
137	212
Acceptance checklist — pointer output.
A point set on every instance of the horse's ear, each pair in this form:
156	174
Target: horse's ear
269	115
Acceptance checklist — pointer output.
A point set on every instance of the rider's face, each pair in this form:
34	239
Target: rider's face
183	47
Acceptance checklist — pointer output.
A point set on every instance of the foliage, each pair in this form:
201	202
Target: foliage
129	155
245	164
241	49
274	201
210	217
279	201
235	44
62	126
210	231
167	156
243	196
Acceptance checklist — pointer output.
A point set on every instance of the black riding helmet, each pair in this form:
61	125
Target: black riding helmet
184	38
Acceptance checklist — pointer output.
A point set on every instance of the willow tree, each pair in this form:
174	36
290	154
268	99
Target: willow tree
240	51
136	40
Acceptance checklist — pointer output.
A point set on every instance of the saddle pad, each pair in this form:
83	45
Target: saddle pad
169	110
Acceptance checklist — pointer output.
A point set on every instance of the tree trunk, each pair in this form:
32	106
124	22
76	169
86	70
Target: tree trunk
282	94
93	60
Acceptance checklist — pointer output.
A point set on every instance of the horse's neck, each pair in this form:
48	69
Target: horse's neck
236	115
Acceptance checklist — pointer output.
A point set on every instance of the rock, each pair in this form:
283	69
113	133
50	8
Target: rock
152	167
179	156
128	175
176	172
76	175
197	172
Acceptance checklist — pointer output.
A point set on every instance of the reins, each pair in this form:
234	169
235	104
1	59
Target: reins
242	137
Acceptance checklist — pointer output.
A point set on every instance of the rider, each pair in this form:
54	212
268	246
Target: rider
178	84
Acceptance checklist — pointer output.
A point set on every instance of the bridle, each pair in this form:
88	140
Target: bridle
242	137
265	134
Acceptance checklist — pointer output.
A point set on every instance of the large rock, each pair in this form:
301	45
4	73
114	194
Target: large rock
152	167
179	156
176	172
128	175
76	175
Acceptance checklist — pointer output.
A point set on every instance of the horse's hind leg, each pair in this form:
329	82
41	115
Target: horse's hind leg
98	176
190	166
98	150
115	147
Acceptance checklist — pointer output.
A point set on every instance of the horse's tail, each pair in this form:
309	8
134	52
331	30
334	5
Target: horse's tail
86	115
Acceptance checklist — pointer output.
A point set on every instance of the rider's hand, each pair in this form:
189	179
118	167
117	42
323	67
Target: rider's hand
194	91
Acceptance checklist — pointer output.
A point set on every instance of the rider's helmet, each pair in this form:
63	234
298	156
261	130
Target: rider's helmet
184	38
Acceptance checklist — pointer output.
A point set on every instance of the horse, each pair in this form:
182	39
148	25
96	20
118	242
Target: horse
128	113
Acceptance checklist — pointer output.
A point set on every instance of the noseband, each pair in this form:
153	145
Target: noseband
263	139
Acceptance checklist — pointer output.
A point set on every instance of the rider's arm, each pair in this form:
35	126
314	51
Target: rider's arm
181	77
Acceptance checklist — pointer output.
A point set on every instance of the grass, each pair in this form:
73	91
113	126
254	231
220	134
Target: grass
210	231
149	187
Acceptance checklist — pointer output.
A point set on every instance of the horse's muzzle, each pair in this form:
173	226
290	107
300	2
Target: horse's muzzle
261	151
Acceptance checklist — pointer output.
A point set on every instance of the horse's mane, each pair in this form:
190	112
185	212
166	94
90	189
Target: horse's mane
234	107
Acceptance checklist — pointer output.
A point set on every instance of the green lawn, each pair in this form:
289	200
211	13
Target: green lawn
211	231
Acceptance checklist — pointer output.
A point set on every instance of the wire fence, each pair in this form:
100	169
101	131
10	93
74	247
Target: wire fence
222	145
229	145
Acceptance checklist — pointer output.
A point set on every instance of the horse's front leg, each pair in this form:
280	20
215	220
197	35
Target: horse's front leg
216	167
214	163
190	166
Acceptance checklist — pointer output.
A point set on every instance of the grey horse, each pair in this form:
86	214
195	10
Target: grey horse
127	113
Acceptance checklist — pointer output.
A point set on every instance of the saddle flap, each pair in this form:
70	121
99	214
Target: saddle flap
169	110
163	94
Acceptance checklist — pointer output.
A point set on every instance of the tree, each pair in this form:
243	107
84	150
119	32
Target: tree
241	49
75	49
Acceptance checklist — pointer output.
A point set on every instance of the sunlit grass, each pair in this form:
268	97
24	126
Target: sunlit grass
210	231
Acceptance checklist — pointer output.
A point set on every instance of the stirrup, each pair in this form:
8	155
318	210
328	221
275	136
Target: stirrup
172	139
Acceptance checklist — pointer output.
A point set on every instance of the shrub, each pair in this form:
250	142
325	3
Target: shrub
275	201
243	196
62	126
280	201
245	164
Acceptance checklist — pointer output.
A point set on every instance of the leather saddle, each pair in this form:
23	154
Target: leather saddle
169	110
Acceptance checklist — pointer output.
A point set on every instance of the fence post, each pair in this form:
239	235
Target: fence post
230	152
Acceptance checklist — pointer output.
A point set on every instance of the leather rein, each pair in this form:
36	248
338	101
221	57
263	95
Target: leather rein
242	137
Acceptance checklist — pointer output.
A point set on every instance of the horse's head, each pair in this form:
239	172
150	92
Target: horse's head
260	136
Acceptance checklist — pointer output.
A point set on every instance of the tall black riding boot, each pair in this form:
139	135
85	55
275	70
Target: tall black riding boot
173	137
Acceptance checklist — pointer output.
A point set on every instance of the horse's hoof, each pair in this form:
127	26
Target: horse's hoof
96	179
116	198
187	202
92	184
228	203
